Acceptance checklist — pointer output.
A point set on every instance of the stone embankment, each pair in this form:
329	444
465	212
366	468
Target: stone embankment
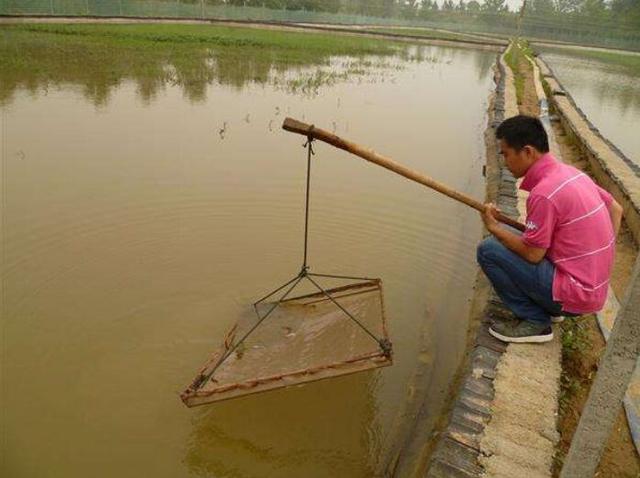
503	423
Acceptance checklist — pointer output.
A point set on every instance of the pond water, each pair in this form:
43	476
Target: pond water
607	93
141	218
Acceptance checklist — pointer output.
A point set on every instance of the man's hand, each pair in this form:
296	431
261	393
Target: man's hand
512	241
489	217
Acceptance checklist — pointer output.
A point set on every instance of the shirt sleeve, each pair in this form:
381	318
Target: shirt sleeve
605	195
541	222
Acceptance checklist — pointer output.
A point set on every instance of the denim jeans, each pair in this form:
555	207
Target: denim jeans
525	288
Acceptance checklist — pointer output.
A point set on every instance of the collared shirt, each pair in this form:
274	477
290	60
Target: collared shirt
568	214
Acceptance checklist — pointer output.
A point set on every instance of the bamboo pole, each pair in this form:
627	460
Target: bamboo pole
295	126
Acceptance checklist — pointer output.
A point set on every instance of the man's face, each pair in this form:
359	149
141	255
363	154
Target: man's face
517	161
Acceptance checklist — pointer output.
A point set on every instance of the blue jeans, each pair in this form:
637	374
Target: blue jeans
525	288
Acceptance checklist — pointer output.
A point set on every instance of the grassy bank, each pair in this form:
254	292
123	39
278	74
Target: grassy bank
100	56
516	59
424	32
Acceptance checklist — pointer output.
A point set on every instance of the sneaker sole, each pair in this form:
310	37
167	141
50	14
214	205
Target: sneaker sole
535	339
557	320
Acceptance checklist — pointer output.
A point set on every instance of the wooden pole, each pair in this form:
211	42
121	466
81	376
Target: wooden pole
608	389
520	18
295	126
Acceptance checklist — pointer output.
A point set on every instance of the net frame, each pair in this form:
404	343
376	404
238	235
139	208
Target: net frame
204	390
200	391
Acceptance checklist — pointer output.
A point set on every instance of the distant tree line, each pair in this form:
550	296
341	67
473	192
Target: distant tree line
612	22
579	20
621	14
624	10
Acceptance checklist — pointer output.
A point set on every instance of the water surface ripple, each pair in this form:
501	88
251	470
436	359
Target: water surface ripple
135	233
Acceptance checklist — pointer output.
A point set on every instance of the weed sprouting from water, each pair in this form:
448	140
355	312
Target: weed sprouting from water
223	131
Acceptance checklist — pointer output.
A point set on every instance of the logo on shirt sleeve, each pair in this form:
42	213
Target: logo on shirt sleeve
531	226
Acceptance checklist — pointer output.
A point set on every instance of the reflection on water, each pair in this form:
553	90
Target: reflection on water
134	234
608	94
36	66
299	441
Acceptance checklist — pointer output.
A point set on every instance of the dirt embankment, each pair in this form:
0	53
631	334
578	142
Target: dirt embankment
583	343
580	365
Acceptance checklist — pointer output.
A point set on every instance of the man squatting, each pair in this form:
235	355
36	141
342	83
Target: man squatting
560	266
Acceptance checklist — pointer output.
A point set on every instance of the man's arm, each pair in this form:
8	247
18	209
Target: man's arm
511	240
615	211
614	208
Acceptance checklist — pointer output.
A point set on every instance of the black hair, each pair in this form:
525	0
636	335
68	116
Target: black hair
520	131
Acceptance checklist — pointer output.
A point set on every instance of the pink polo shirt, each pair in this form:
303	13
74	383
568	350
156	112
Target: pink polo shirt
568	214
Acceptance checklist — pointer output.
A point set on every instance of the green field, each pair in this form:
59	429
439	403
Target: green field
280	46
99	56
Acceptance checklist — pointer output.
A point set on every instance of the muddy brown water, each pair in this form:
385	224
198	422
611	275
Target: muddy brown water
136	229
608	94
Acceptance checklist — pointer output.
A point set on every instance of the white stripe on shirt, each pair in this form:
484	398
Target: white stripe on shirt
564	184
590	213
587	253
588	289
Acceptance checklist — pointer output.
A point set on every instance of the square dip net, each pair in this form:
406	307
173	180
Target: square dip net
293	339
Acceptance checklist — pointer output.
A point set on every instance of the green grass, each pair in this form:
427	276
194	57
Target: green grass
100	56
517	58
575	338
575	375
513	58
575	341
295	45
525	48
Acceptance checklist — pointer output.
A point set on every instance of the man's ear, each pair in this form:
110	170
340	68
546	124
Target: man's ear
529	152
